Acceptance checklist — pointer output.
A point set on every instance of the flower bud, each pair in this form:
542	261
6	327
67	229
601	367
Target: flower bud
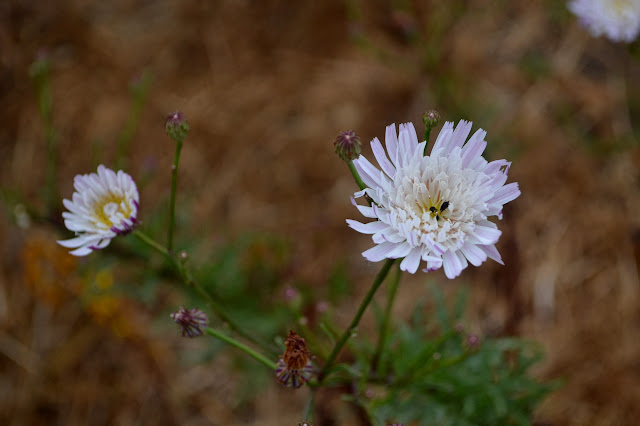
430	119
472	342
176	126
348	145
192	321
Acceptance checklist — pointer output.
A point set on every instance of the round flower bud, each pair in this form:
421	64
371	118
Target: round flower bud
431	119
176	126
348	145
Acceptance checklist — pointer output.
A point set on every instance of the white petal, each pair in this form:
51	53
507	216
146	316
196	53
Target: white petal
370	175
366	211
82	251
474	148
442	141
367	228
391	234
412	261
474	254
460	134
452	264
486	235
382	159
78	241
401	250
406	144
379	252
391	141
492	253
505	194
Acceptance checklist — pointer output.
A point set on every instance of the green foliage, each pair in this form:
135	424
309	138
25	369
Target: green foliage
433	373
244	276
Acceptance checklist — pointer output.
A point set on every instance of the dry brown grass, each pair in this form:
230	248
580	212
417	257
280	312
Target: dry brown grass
266	86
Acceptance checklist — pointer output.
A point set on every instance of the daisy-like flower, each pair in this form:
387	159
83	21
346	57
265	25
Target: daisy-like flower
433	208
104	206
619	20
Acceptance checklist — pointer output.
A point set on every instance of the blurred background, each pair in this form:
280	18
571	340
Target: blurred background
266	86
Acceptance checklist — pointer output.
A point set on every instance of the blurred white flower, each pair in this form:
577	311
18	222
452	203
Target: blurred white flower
433	208
619	20
104	205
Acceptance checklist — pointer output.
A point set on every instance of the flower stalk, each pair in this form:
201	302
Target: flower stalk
188	280
177	129
356	175
238	345
356	319
384	327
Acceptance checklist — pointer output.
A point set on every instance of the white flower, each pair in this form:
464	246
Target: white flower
619	20
104	205
433	208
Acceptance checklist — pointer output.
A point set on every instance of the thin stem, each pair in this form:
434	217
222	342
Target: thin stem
233	342
186	279
384	327
356	175
356	319
427	135
307	415
172	202
220	313
153	244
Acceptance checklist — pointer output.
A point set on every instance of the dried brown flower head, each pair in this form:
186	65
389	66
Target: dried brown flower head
294	367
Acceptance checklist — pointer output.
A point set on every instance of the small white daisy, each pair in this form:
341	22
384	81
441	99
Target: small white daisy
619	20
104	205
433	208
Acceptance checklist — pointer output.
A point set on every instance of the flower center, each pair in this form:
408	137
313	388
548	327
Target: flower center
112	210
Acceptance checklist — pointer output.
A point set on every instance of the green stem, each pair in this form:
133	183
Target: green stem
153	244
186	278
307	415
356	175
356	319
172	202
427	135
384	327
233	342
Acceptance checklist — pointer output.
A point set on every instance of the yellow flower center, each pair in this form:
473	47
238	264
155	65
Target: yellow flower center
111	209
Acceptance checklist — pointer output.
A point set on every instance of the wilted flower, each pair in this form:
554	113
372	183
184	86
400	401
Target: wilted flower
618	20
433	208
294	368
348	145
192	321
104	205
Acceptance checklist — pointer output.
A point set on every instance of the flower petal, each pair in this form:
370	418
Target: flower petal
379	252
412	261
382	159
